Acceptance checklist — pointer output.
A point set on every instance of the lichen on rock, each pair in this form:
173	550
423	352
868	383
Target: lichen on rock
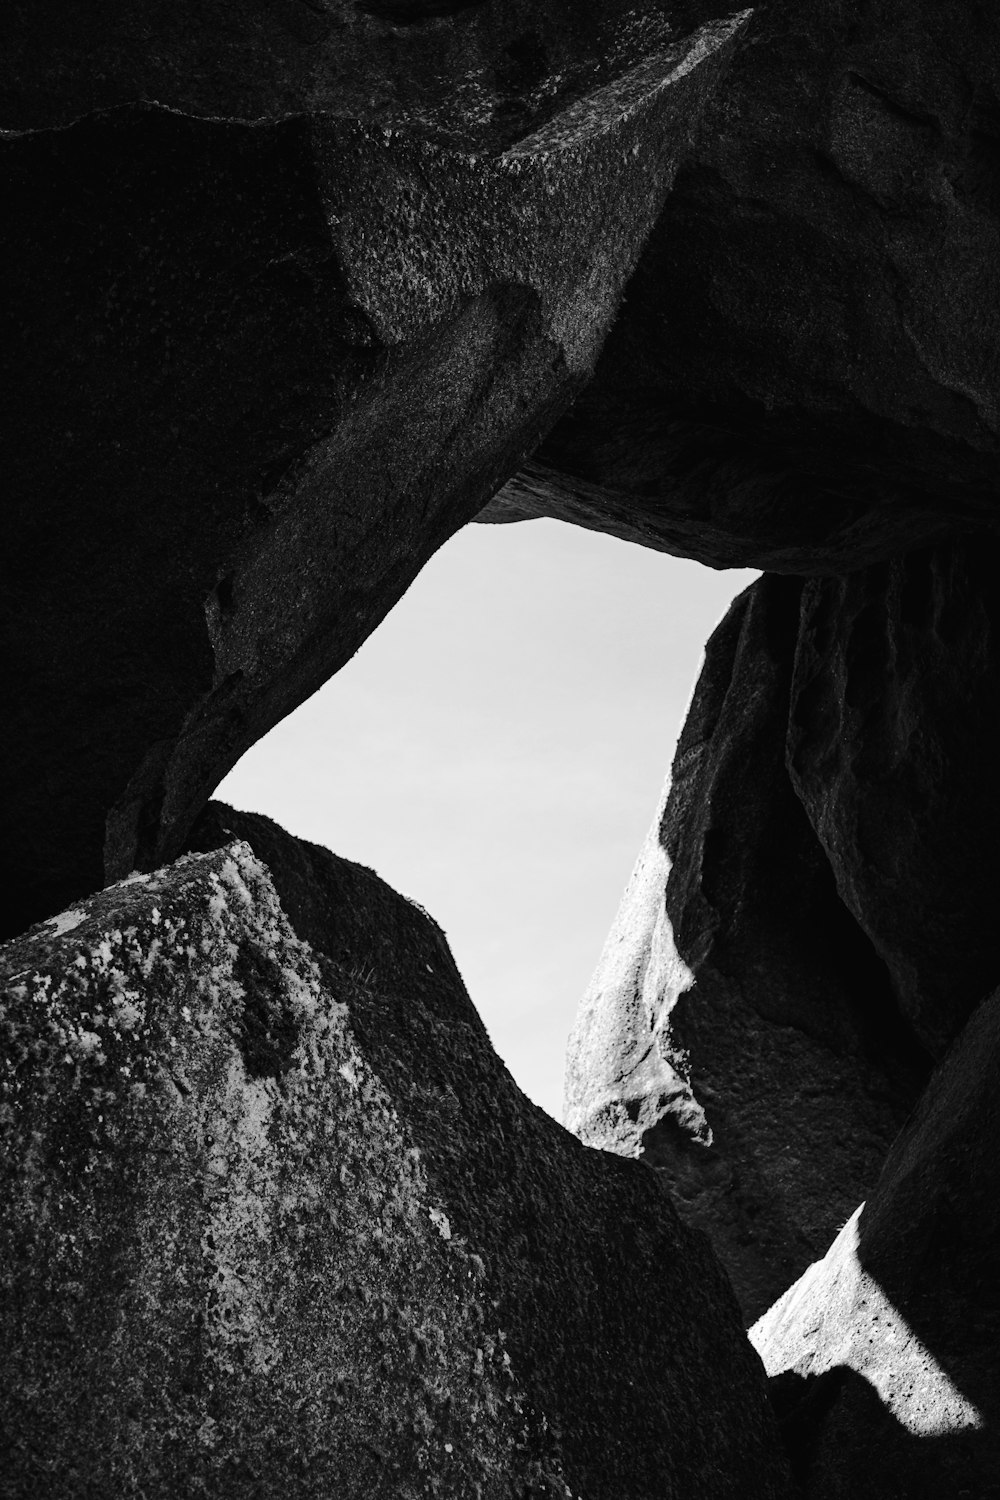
256	1241
207	1260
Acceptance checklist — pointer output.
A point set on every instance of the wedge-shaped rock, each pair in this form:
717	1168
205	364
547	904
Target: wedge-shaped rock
259	362
885	1353
275	1221
739	1033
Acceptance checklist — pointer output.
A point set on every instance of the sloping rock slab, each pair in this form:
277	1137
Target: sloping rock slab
804	374
256	368
242	1258
886	1354
894	738
740	1033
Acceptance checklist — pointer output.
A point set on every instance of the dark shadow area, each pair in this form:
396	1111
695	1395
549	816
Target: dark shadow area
801	1405
843	1443
414	12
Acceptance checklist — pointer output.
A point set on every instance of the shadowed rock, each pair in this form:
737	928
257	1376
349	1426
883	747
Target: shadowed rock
740	1033
472	73
275	1220
804	373
893	746
885	1352
265	350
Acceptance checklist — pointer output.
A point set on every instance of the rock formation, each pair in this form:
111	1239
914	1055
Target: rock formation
804	373
740	1033
893	745
275	1220
267	347
291	291
885	1352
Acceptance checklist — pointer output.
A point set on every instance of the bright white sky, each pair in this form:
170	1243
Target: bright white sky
496	750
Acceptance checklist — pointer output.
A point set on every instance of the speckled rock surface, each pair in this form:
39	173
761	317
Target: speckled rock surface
893	746
884	1356
467	71
276	1222
804	375
266	349
740	1033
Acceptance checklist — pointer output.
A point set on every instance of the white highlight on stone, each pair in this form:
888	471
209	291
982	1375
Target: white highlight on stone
440	1222
66	921
837	1315
620	1051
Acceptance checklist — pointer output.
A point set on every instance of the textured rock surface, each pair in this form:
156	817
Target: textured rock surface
885	1353
468	71
740	1032
265	350
804	376
277	1222
894	740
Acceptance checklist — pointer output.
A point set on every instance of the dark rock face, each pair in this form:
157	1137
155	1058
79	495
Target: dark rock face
893	743
885	1353
740	1033
276	1221
476	74
263	355
290	290
804	374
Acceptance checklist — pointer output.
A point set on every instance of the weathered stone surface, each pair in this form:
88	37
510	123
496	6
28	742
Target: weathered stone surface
804	374
893	745
885	1354
740	1033
265	350
475	74
277	1222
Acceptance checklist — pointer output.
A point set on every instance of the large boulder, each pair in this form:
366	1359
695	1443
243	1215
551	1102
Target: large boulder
740	1033
275	1221
893	744
885	1356
804	373
277	323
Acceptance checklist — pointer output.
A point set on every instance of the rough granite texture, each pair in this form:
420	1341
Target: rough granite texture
740	1033
885	1354
276	1222
289	290
804	376
893	746
264	351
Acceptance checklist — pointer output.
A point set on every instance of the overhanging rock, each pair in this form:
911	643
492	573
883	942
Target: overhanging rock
803	377
263	356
